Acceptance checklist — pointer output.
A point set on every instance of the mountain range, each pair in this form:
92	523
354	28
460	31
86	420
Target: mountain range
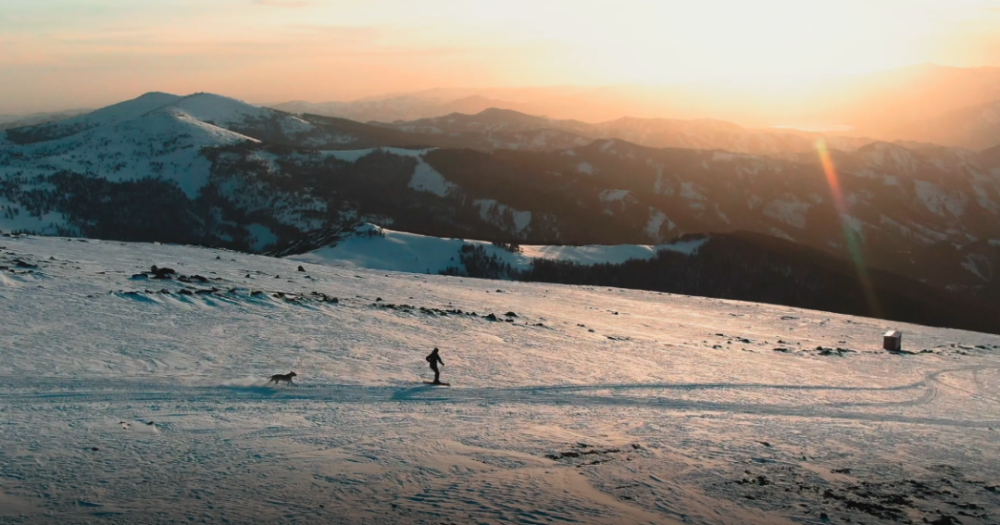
943	105
211	170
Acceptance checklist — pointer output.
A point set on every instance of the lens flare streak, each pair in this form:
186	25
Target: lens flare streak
852	238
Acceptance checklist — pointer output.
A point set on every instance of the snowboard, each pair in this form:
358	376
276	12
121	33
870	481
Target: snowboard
436	384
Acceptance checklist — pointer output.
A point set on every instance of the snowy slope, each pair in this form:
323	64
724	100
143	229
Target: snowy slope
128	401
410	252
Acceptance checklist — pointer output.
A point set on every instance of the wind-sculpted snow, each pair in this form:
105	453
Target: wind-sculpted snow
137	395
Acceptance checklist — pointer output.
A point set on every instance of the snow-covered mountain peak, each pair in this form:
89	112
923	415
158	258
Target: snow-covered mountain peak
125	110
218	109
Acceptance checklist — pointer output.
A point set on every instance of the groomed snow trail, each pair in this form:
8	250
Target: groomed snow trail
125	399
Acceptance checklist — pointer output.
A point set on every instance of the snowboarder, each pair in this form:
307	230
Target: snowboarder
434	359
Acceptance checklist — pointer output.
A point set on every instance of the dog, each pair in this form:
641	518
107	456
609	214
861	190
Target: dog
278	378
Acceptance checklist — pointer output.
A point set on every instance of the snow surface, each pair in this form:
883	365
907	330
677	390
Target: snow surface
594	405
613	195
261	237
789	210
46	224
656	220
410	252
427	179
938	201
689	192
508	219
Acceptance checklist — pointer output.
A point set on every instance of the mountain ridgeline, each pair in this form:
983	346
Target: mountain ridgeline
210	170
759	268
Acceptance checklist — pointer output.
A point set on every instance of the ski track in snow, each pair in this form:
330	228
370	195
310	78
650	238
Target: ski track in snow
622	407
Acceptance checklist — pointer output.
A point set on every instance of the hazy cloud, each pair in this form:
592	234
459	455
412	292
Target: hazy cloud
285	3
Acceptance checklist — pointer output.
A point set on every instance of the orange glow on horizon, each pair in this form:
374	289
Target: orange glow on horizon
89	53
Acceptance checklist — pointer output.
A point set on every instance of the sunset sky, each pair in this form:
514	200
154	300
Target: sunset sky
59	54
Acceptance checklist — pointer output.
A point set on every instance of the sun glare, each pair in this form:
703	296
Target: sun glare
340	49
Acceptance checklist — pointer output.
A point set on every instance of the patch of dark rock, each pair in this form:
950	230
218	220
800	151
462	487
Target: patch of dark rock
874	509
600	451
765	443
841	471
185	291
320	296
759	480
579	453
896	499
22	264
161	273
512	314
944	519
833	351
492	317
301	269
785	350
139	276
